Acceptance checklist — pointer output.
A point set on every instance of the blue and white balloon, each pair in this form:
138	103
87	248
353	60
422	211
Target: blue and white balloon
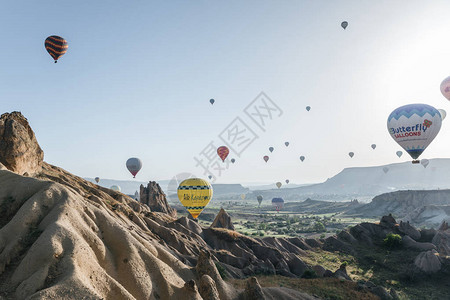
414	127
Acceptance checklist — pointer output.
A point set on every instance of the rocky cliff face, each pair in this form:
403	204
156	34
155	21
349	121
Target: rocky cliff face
19	149
420	208
223	220
154	197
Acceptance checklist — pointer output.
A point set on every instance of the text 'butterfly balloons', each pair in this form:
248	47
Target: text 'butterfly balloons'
223	152
414	127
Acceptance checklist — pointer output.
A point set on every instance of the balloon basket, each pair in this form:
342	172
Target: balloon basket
416	161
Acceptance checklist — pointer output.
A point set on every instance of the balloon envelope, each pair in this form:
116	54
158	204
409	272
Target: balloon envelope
445	88
286	143
266	158
194	195
271	149
385	170
97	179
115	188
308	108
344	24
351	154
243	196
210	177
56	46
302	158
134	165
443	113
287	181
399	153
373	146
211	101
278	203
233	160
414	127
424	162
223	152
278	184
259	198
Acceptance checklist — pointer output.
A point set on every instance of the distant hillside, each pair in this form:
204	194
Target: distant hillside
419	207
367	182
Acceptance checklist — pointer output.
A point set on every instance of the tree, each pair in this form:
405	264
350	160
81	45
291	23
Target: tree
392	241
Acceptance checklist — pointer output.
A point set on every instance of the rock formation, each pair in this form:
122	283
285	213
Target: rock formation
428	262
19	149
154	197
223	220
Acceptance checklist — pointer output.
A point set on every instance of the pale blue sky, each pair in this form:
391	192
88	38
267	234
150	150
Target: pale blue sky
138	76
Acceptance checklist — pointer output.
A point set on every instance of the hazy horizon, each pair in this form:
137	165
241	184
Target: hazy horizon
137	79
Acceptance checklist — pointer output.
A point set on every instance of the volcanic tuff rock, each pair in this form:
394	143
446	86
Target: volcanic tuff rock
154	197
19	149
223	220
428	262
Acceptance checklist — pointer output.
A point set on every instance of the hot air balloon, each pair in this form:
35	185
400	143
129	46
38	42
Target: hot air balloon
97	179
266	158
425	162
56	46
136	195
242	196
344	24
271	149
286	144
385	170
233	160
278	184
443	113
308	108
287	181
351	154
445	88
194	195
399	153
373	146
302	158
259	198
223	152
414	127
134	165
278	203
210	177
115	188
